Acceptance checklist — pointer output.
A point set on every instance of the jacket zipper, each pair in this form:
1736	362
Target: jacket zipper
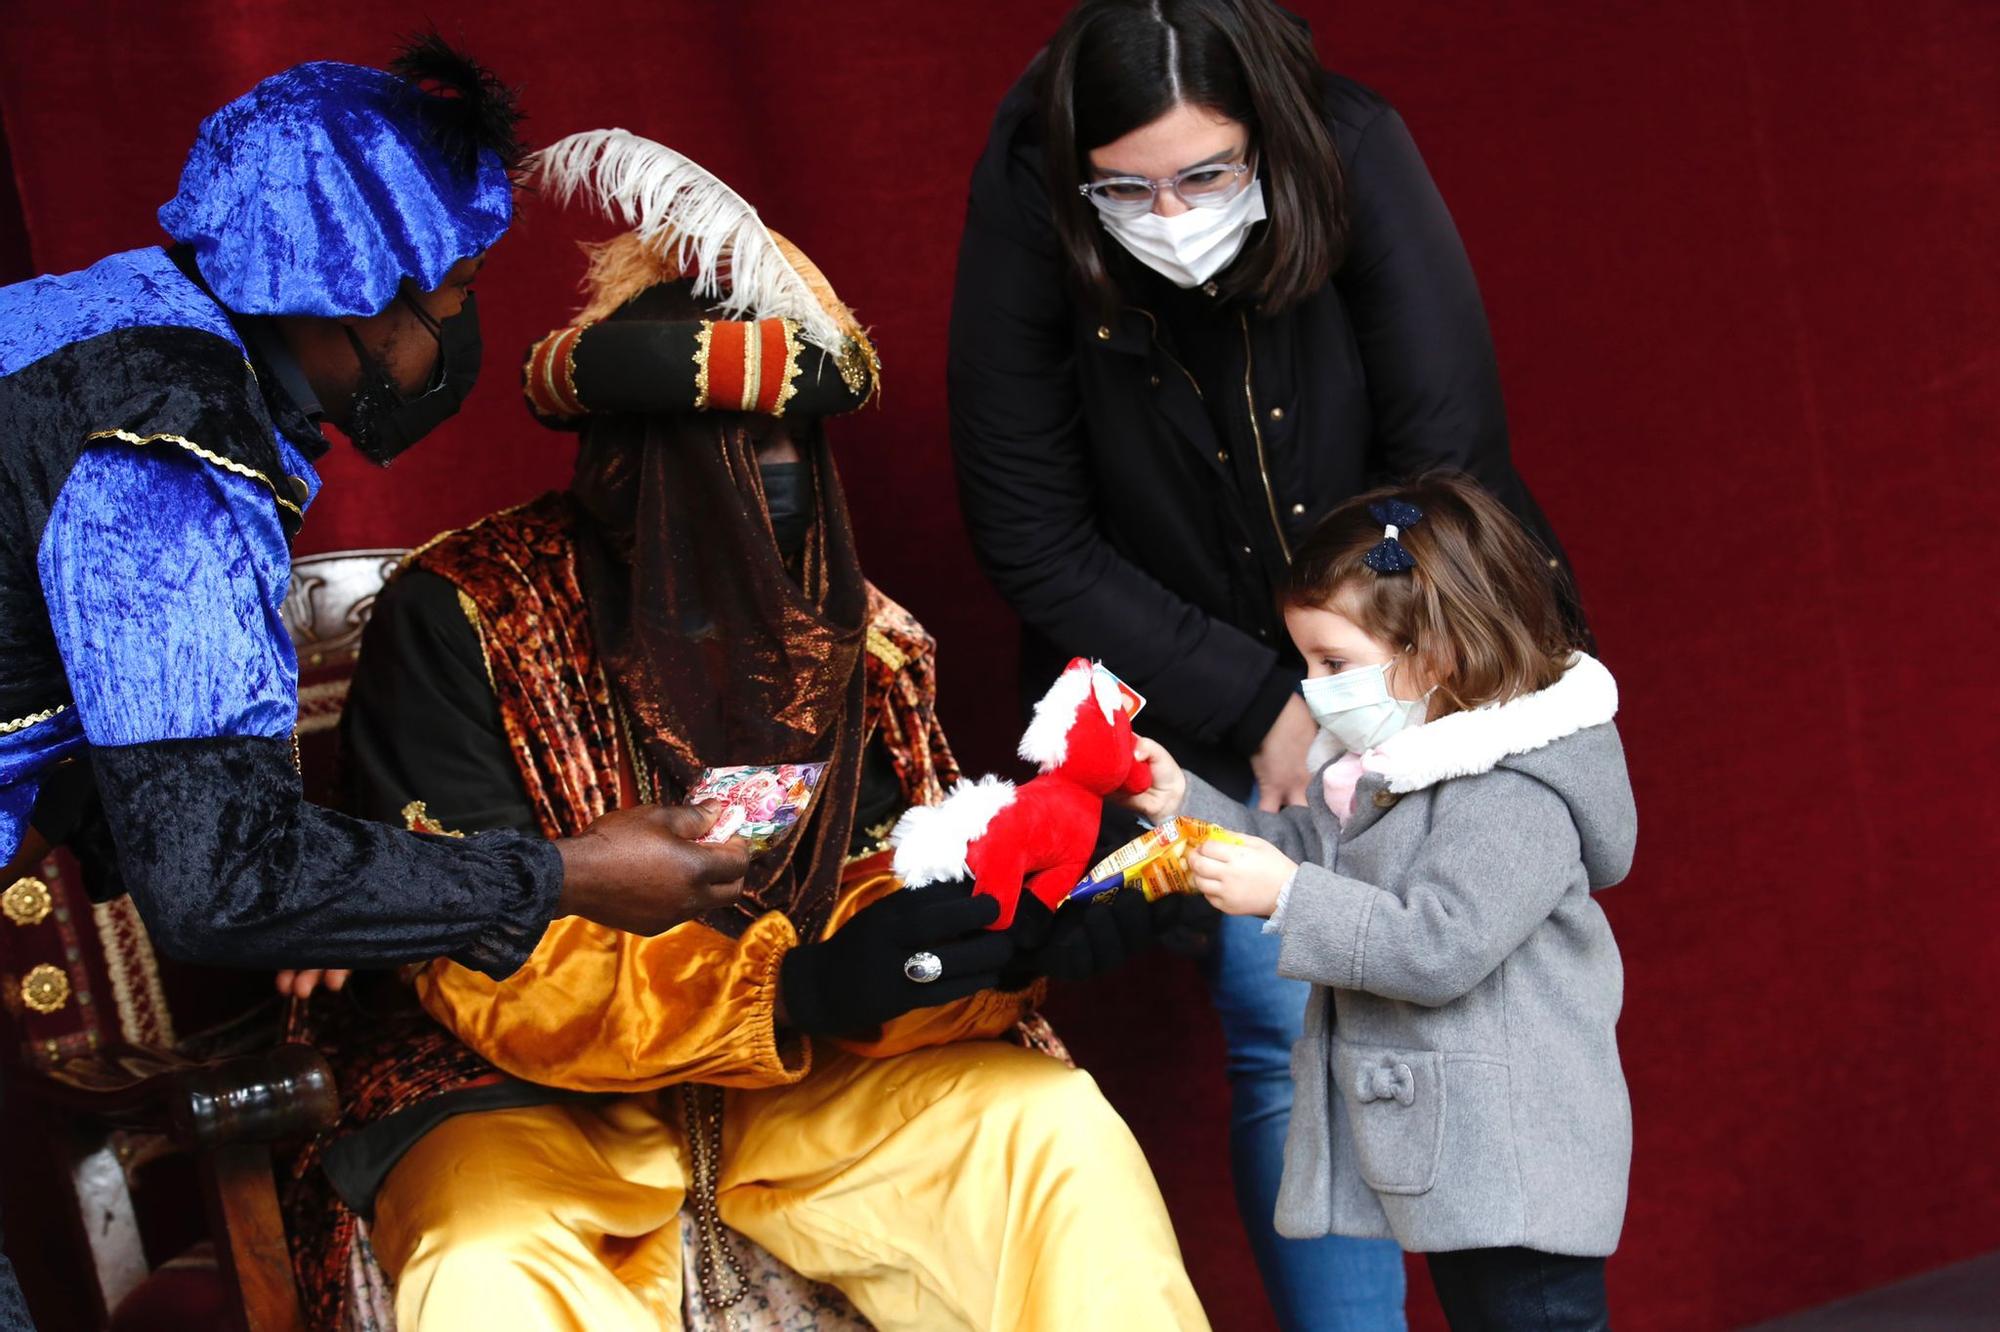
1257	433
1161	347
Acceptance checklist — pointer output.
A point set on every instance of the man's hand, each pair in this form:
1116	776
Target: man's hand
301	984
1085	939
1164	798
641	871
1279	764
1241	880
855	981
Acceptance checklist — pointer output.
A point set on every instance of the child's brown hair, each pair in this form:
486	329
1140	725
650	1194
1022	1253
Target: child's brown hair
1477	605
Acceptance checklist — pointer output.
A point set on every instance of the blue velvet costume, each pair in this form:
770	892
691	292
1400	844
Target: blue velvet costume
153	470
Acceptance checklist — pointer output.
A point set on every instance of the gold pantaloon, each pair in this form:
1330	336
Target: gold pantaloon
972	1185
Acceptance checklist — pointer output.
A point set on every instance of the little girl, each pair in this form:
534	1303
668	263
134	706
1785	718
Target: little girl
1458	1083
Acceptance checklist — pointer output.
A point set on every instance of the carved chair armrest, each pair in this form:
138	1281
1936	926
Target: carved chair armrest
281	1094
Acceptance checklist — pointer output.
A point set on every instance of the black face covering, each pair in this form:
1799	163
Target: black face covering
788	495
384	422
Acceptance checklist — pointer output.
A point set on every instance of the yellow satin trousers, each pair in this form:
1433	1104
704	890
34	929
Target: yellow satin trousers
973	1185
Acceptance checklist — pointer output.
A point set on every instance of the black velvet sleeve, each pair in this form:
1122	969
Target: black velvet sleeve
421	722
229	866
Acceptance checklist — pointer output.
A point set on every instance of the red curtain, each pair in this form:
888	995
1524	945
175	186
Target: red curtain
1739	263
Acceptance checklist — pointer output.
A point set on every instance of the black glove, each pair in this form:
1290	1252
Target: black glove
1087	938
855	981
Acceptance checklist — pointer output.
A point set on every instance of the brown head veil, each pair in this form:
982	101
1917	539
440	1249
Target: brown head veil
720	649
719	652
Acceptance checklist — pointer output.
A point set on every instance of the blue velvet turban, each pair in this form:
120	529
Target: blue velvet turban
319	190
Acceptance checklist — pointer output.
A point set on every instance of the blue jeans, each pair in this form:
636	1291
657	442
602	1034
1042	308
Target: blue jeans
1332	1284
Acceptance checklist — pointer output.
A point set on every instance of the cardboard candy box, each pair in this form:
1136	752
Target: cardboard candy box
1155	862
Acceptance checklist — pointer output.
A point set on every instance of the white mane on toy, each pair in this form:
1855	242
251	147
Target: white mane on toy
1046	741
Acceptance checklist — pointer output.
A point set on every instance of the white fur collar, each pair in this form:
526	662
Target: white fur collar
1472	742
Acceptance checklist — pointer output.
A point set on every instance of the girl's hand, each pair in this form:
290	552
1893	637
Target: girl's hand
1240	880
1164	798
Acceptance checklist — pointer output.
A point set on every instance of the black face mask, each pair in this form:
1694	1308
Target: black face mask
383	422
788	494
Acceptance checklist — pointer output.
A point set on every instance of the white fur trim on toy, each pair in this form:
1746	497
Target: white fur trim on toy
931	840
1046	741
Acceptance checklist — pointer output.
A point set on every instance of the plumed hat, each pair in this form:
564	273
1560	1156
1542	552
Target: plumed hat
322	188
779	342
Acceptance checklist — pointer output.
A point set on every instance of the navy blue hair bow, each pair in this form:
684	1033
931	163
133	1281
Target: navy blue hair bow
1389	555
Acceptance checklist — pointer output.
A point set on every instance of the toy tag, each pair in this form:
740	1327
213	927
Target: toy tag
759	802
1134	700
1154	862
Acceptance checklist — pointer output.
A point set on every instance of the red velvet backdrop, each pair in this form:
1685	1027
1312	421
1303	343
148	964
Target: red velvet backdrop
1739	263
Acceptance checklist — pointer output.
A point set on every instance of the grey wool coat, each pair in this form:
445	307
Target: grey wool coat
1458	1083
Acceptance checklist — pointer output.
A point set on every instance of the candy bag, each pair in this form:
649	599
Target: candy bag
759	802
1154	862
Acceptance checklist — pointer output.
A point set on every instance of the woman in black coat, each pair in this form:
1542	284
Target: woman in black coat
1206	291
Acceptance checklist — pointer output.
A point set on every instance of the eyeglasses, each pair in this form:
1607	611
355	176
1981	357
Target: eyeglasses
1210	185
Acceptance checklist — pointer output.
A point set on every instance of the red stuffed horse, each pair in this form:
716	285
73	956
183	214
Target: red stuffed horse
1039	836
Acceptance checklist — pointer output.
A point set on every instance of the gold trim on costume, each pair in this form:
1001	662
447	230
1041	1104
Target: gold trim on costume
45	988
417	818
470	610
27	902
701	341
884	650
753	366
569	367
206	455
788	390
860	369
35	719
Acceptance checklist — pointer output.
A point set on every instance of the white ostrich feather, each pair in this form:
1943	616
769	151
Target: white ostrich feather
677	208
931	840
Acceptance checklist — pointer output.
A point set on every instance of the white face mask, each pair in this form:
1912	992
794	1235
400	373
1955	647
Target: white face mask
1190	248
1356	708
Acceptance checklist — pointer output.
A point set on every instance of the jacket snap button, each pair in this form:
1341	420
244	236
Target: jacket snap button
1104	332
1209	289
1222	455
1277	413
1247	552
1385	799
1298	509
1156	381
299	486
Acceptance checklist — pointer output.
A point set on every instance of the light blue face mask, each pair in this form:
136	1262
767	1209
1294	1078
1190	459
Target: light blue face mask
1356	708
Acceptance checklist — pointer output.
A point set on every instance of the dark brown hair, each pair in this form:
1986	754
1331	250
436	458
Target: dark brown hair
1116	65
1479	611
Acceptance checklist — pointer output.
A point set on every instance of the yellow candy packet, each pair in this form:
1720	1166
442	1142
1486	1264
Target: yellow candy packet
1155	862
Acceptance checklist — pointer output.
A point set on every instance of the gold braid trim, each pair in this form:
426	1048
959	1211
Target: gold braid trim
701	341
860	369
789	389
417	818
884	650
569	368
470	609
36	719
753	366
226	464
